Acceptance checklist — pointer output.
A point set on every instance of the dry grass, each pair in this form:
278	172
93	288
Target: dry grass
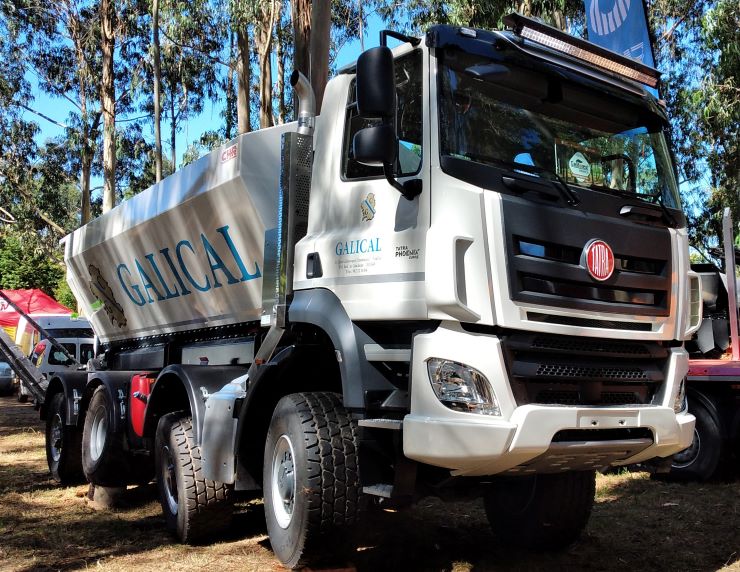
637	523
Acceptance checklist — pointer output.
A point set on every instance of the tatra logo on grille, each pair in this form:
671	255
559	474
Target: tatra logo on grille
598	259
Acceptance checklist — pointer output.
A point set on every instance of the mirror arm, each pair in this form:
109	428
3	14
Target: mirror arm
410	189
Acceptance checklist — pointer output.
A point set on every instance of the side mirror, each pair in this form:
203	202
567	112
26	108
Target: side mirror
376	84
375	146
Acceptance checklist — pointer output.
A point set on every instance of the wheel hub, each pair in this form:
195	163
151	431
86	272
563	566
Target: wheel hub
170	479
283	481
55	441
684	458
98	433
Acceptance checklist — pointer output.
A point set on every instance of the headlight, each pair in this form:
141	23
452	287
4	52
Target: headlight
680	404
461	387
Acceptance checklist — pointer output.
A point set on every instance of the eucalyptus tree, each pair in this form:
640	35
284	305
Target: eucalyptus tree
189	52
57	44
698	49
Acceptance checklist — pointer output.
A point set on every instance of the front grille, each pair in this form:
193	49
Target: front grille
570	371
546	266
589	322
562	370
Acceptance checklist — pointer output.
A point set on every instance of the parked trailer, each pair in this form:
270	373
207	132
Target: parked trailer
713	385
464	282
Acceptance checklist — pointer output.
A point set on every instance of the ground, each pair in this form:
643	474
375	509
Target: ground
637	523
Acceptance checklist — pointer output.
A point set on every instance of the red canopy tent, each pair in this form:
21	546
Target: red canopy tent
31	302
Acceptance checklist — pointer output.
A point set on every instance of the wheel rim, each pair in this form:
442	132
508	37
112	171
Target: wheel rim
98	433
55	441
170	480
283	481
684	458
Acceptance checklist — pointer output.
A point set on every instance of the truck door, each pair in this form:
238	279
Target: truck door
371	238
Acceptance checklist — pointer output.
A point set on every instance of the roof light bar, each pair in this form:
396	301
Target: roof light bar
555	39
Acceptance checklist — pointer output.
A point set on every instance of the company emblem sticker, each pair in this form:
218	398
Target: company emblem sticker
580	167
598	259
367	207
229	153
103	293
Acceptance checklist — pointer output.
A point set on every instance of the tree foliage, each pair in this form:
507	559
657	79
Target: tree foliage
235	56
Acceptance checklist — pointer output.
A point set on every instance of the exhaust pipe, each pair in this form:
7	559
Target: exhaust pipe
306	102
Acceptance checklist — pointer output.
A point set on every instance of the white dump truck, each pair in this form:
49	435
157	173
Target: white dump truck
468	276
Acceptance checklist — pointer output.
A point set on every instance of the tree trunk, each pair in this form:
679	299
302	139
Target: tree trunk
86	160
320	28
300	13
108	99
86	151
173	133
242	78
280	57
263	40
157	83
230	94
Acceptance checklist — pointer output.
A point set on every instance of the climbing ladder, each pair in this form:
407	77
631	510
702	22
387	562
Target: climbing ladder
24	369
27	373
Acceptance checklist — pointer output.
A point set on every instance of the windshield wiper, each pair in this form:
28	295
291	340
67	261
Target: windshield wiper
655	199
669	217
555	181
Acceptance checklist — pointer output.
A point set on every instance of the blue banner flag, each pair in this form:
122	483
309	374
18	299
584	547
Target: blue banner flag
620	26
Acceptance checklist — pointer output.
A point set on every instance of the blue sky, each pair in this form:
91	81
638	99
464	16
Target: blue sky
59	109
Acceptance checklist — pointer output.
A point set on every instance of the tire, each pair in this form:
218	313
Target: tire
310	478
194	507
63	444
104	460
701	460
541	512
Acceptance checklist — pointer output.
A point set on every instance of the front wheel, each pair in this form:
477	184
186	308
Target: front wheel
194	507
63	444
310	477
702	459
541	512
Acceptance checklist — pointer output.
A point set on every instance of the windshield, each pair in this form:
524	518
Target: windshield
498	114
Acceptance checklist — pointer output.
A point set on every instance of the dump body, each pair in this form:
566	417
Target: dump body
186	252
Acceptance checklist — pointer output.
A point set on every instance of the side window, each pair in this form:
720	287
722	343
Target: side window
408	122
57	357
87	352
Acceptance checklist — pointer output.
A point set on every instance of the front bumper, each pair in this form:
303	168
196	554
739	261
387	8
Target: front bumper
521	439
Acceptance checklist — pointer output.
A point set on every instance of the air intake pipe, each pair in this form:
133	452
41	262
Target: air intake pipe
306	102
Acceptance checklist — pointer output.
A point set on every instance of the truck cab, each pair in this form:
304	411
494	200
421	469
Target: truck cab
541	252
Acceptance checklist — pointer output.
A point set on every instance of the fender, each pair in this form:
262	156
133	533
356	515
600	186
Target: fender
72	385
223	428
322	308
199	383
117	384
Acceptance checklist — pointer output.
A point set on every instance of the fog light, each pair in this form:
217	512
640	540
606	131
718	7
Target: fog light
680	404
461	387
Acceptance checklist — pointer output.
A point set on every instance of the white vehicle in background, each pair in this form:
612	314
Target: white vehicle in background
6	378
74	333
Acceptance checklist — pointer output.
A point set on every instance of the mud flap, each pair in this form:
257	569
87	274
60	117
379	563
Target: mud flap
218	443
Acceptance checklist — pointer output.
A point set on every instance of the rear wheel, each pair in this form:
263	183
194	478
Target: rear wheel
541	512
63	444
194	507
701	460
104	460
310	477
